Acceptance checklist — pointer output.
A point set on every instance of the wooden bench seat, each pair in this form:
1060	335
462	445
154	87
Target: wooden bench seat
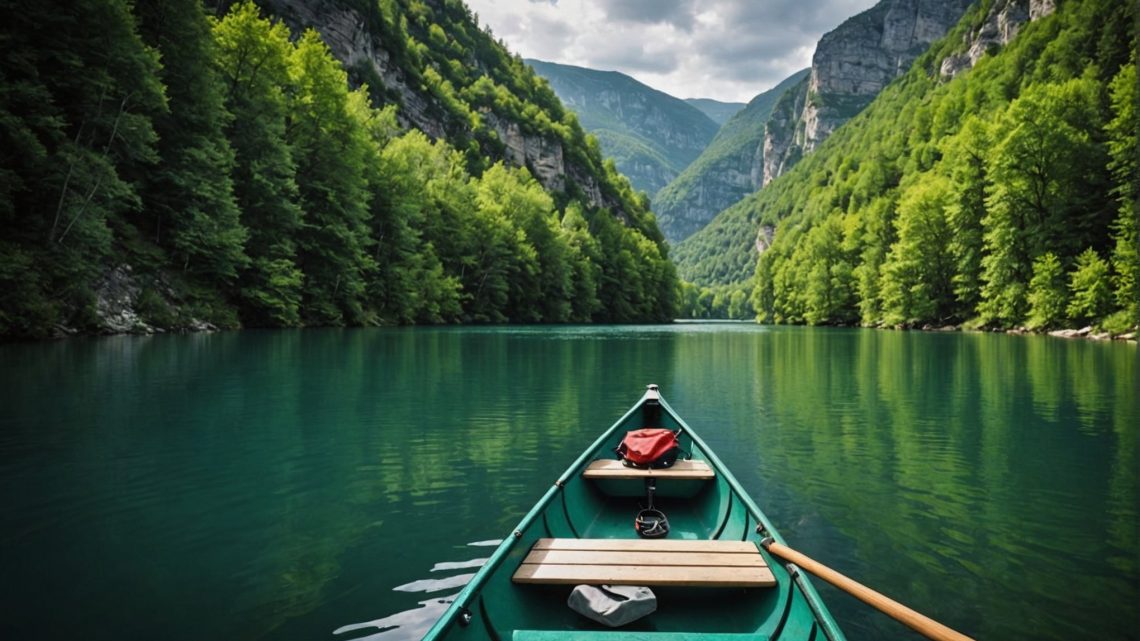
613	469
652	562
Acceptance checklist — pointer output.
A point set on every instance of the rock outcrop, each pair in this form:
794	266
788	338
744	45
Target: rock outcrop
1001	25
347	35
851	66
728	170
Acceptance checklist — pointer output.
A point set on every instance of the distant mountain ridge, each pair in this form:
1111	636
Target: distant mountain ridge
650	135
720	112
726	171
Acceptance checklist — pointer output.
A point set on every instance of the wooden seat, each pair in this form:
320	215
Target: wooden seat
652	562
613	469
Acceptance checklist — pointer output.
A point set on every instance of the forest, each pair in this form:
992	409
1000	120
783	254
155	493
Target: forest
1004	197
236	174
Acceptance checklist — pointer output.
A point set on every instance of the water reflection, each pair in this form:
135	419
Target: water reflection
289	482
413	624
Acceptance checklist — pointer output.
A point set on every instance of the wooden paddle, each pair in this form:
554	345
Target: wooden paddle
920	623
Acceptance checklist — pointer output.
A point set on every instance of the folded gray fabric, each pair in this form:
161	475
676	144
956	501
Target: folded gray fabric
612	605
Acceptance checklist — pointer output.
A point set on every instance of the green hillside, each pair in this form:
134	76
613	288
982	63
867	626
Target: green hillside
651	135
169	170
718	111
1005	196
722	174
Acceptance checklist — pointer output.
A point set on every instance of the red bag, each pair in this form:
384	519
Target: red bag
649	447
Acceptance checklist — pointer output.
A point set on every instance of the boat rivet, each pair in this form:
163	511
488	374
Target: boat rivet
465	618
518	534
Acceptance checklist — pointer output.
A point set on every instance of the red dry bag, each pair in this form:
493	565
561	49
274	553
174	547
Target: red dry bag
649	447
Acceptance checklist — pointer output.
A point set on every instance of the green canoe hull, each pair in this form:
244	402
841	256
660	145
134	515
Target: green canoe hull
491	607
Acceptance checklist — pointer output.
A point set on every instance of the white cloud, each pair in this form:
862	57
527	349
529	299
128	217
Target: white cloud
724	49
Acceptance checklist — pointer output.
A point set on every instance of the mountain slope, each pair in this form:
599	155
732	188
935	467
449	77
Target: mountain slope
718	111
1004	196
651	135
301	163
726	171
851	65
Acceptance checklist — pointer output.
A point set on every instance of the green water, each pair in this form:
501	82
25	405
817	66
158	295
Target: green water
342	484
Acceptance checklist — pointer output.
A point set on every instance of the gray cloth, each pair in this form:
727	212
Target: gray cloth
612	605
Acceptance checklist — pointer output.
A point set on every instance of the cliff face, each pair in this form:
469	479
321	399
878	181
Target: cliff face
851	65
729	169
1001	25
348	36
651	135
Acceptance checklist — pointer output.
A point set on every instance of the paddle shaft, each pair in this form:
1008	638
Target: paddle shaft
918	622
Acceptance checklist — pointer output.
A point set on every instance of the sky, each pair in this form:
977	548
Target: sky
728	50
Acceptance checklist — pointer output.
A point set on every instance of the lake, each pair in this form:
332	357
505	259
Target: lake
342	484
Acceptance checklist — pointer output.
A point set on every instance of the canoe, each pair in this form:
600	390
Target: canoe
711	576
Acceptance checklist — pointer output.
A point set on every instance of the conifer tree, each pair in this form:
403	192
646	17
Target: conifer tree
189	201
1090	289
329	144
252	58
1048	292
1125	168
80	92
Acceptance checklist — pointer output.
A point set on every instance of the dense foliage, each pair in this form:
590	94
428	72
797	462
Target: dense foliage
1003	197
227	167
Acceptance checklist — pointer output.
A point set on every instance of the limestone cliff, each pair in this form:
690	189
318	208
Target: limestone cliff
1001	25
728	170
851	65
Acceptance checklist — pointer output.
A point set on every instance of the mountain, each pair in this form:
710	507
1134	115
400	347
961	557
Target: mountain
996	190
851	65
718	111
651	135
726	171
301	163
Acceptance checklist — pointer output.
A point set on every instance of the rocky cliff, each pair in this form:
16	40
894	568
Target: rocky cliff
729	169
351	37
651	135
851	65
999	28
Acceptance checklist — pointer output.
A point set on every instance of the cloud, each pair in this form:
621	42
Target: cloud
724	49
678	13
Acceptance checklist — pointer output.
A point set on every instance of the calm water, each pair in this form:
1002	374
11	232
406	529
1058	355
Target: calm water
341	485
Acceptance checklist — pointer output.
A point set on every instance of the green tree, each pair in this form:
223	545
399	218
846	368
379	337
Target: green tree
584	259
252	58
541	291
917	277
330	146
1089	285
1123	151
1049	189
1048	292
965	159
80	90
420	189
189	200
829	288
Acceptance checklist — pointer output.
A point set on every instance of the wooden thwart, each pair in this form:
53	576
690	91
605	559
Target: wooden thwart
614	469
645	562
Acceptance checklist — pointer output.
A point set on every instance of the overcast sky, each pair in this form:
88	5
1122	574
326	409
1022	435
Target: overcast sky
729	50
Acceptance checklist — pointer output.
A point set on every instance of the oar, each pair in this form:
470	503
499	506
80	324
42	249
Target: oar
918	622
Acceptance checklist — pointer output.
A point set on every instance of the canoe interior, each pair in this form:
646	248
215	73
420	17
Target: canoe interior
499	609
